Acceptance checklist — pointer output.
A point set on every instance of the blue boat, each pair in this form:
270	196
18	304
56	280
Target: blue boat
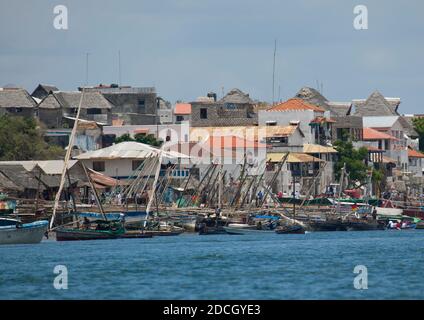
13	231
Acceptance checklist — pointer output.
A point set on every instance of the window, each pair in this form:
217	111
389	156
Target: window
136	164
203	113
14	110
180	118
141	105
99	166
94	111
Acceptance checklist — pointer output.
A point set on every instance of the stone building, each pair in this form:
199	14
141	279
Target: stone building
17	102
59	104
234	109
135	106
345	125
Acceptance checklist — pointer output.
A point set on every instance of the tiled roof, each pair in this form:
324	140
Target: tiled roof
182	108
372	134
295	104
414	153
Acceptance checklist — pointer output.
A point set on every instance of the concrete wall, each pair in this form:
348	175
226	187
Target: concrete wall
52	118
222	114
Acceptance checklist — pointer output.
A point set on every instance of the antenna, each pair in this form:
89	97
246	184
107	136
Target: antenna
86	68
279	93
273	71
119	67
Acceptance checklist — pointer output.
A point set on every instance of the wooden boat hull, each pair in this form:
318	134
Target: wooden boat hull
135	235
364	226
78	234
295	229
28	233
212	230
327	226
239	231
163	233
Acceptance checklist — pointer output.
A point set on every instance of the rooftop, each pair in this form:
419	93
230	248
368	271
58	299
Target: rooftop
16	98
412	153
294	157
182	109
372	134
295	104
128	150
376	105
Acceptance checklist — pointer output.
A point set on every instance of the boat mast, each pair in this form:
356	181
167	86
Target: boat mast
153	186
342	177
66	161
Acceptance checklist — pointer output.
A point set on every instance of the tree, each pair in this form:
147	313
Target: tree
146	139
419	127
354	159
22	139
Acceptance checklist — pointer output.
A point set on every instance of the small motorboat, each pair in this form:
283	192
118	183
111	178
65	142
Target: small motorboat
13	231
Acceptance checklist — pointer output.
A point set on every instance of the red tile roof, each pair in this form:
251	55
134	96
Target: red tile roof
323	120
372	134
182	108
295	104
414	154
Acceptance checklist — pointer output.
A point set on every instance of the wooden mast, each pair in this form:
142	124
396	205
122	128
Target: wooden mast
66	161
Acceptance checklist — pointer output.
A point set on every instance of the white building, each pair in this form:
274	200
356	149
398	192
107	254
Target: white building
294	110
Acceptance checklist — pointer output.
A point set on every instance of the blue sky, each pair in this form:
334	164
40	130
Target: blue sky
186	48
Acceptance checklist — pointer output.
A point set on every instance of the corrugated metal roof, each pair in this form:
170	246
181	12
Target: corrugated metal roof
128	150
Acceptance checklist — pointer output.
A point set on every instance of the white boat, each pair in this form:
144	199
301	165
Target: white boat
242	228
12	231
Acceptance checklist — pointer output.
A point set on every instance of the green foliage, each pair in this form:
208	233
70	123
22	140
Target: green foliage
354	159
21	139
419	127
146	139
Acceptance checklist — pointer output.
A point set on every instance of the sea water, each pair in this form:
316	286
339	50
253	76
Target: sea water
317	265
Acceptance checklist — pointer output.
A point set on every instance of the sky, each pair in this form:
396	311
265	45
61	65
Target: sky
187	48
